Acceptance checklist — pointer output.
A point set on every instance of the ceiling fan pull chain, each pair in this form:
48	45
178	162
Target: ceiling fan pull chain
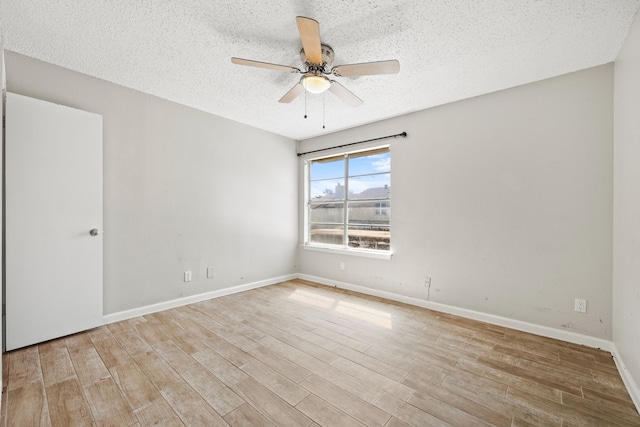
305	104
324	109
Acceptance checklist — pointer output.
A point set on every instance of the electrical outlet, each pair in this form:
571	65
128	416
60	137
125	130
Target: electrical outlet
211	273
580	305
342	265
187	276
427	281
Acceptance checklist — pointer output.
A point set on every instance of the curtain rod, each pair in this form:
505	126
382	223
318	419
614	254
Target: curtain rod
403	134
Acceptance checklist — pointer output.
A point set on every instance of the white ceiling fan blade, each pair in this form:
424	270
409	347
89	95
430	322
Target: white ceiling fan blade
293	93
367	68
345	94
250	63
309	30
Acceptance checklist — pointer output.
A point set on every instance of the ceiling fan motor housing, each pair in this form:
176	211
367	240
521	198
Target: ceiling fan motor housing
327	59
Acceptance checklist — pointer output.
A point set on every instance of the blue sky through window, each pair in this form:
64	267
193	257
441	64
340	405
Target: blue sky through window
324	170
326	175
375	163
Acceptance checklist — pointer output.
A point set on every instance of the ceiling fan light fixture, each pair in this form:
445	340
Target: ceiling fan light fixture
315	84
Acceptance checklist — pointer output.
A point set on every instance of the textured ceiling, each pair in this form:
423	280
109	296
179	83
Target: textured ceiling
448	50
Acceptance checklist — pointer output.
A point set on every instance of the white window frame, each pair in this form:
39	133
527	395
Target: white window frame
344	248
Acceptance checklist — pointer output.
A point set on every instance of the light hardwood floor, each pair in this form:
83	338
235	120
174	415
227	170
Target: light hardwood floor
295	354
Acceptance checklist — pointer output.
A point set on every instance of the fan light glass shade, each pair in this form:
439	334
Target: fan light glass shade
316	84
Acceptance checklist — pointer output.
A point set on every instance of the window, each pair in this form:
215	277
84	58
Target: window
381	208
349	202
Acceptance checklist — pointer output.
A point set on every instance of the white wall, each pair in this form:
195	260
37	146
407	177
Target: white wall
626	230
504	200
2	97
183	190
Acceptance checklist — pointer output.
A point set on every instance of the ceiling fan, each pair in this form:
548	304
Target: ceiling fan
318	60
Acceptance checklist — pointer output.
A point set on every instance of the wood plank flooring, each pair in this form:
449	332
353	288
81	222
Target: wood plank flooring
299	354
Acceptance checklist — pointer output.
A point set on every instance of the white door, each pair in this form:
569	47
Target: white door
53	200
2	97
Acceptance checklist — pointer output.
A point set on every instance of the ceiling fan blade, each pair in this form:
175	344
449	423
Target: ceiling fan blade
309	30
367	68
345	94
268	65
293	93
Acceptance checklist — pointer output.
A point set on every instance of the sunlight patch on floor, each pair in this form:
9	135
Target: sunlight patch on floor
368	314
357	311
313	299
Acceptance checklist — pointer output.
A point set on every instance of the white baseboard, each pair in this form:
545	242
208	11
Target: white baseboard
471	314
632	386
518	325
154	308
546	331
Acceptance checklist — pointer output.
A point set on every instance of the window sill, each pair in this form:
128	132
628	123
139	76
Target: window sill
349	251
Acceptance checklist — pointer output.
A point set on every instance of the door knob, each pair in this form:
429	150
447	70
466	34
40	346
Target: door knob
95	232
